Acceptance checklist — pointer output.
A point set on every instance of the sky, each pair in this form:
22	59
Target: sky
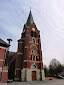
48	16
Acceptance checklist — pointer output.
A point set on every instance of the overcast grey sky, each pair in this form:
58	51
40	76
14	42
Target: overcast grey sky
49	18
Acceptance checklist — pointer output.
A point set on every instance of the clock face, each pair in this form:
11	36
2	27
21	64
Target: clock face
33	29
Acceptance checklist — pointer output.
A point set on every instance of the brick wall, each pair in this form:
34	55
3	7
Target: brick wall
4	75
2	56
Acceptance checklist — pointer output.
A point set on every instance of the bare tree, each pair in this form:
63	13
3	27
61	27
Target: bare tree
55	67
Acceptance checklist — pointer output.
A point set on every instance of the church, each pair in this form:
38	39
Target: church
26	64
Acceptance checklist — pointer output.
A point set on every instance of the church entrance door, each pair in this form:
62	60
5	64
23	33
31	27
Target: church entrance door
33	75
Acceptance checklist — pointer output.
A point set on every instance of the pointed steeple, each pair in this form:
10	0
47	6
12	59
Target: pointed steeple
30	19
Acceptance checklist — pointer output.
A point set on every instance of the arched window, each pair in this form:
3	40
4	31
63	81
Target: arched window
32	33
32	51
31	57
35	34
33	66
33	40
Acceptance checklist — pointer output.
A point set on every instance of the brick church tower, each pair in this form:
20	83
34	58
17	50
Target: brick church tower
29	65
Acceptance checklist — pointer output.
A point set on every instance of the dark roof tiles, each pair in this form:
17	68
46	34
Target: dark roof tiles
4	43
10	54
30	19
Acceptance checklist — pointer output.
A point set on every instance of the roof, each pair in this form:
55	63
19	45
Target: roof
4	43
30	19
11	54
20	39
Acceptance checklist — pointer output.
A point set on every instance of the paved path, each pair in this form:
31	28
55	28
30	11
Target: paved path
37	83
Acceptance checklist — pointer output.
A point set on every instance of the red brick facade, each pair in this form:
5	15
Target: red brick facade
2	56
3	69
29	51
4	75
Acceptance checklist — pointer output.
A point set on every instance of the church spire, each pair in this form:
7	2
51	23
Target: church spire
30	19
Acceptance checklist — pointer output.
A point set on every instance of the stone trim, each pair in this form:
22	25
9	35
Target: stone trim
20	42
0	69
34	54
33	68
33	45
20	53
28	35
36	43
32	61
16	79
25	60
2	47
35	58
17	69
34	51
5	70
34	39
32	42
15	72
28	74
1	60
26	47
43	75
